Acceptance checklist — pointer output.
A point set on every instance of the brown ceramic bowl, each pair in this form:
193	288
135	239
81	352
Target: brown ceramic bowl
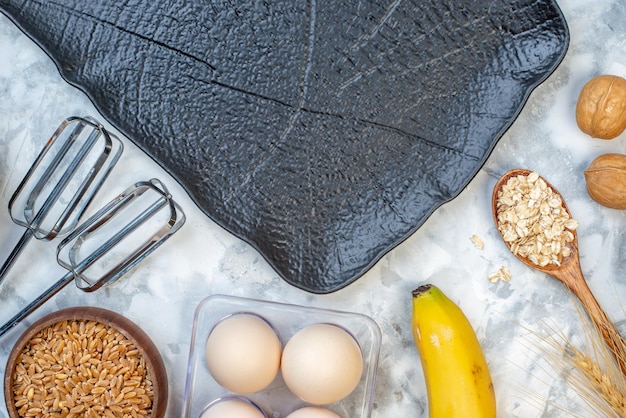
153	362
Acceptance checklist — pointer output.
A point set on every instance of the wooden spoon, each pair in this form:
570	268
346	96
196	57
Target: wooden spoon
570	273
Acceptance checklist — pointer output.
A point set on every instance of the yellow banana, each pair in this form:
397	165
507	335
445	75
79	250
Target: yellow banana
457	377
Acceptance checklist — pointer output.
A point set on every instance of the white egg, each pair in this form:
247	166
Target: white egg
313	412
322	364
243	353
234	407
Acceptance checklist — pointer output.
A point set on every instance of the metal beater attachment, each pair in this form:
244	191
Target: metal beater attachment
62	181
113	241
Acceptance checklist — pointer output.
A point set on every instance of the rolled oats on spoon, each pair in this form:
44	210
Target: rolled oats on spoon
536	225
533	221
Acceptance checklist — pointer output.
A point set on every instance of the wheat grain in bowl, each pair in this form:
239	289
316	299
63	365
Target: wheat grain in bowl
534	221
84	367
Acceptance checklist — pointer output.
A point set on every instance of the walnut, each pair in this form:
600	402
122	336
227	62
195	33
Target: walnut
601	107
606	180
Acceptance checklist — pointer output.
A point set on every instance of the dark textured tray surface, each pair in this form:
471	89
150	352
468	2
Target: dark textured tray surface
323	133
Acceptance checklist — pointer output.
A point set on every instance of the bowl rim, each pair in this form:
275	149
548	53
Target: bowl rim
149	351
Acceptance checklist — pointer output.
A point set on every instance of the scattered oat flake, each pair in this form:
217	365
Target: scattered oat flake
503	274
478	243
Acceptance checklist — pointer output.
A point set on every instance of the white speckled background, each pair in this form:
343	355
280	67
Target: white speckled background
162	293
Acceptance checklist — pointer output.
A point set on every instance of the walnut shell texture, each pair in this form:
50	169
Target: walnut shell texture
606	180
601	107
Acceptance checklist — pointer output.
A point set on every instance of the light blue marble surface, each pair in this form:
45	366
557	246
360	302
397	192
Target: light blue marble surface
203	259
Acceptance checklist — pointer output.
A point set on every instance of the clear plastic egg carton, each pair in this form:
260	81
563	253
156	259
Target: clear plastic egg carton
276	400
